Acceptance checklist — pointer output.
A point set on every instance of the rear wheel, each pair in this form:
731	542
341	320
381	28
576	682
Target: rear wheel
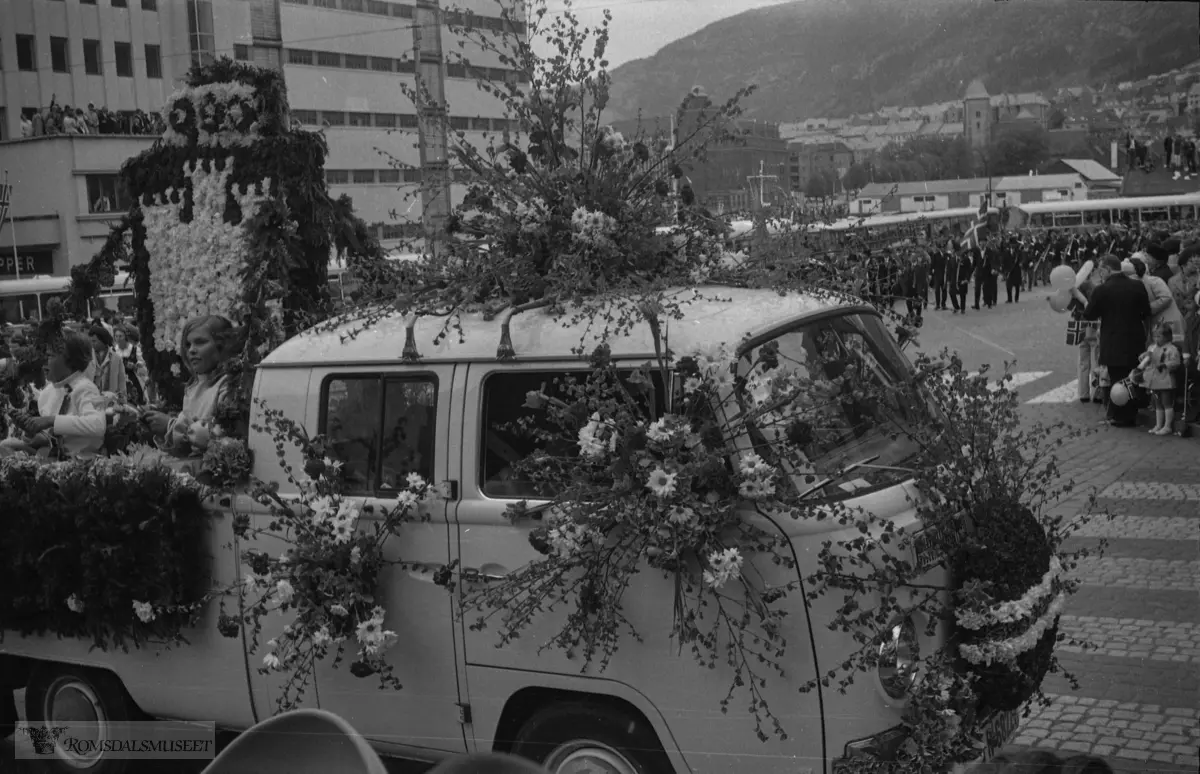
591	738
60	695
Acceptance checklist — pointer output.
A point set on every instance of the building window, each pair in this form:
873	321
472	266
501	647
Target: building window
411	175
200	31
124	53
107	193
385	120
364	176
408	121
456	71
356	62
91	57
87	2
405	66
459	124
58	55
298	56
480	124
333	118
382	64
329	59
325	4
358	119
378	8
337	176
402	11
354	6
26	53
120	3
389	176
297	2
306	117
149	5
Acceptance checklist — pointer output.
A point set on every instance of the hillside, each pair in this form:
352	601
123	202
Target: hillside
835	57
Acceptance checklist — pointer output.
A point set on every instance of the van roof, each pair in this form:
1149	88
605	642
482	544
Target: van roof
719	314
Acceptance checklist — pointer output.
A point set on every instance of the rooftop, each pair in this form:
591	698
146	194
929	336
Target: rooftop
1091	170
977	90
720	313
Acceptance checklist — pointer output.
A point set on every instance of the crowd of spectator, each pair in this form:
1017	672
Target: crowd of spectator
64	119
1179	154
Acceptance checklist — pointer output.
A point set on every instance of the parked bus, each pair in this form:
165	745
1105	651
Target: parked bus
1098	213
25	300
931	226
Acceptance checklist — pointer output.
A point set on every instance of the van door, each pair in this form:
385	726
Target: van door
384	424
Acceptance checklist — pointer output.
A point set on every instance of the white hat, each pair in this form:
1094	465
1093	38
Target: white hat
1128	270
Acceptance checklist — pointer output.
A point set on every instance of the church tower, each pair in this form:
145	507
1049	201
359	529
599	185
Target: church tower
977	115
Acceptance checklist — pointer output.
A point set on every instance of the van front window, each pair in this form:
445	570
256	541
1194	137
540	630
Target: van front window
856	413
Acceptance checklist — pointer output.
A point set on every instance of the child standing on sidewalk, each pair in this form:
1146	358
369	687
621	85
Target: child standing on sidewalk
1158	365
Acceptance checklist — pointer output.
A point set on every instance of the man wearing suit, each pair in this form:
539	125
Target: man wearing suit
1012	270
960	277
1122	306
937	278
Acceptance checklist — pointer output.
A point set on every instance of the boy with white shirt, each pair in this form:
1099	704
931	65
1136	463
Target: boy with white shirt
71	407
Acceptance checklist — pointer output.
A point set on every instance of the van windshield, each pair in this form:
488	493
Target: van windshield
854	424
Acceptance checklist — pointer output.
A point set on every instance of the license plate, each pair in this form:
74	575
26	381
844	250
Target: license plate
997	731
929	546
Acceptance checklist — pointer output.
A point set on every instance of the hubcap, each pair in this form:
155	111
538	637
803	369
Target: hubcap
588	757
70	702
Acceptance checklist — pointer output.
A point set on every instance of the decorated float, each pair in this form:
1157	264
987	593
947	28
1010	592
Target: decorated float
684	500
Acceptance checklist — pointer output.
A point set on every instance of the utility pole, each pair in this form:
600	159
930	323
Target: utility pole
762	179
431	121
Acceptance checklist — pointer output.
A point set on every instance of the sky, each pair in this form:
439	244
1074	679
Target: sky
639	28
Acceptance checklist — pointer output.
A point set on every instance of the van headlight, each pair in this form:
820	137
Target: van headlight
899	655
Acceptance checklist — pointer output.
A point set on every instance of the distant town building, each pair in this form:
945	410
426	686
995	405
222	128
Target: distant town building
988	116
1101	181
934	195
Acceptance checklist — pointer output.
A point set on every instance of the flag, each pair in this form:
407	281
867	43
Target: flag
5	198
977	233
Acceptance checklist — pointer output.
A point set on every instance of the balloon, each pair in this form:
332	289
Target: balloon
1119	394
1062	278
1085	271
1060	301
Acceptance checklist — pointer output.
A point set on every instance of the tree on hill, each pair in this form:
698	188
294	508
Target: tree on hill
856	177
819	185
1016	152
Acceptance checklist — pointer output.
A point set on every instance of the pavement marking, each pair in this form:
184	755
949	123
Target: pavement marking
1126	572
1067	393
1167	528
1150	490
1141	732
1124	637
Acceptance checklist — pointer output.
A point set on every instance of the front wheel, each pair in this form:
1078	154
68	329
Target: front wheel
91	704
586	738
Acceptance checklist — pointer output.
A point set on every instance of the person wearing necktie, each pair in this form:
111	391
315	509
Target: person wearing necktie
71	407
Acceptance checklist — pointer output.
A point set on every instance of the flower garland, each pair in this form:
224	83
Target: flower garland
1006	651
1010	612
213	115
195	266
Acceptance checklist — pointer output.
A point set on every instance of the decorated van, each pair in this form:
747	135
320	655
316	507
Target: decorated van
716	650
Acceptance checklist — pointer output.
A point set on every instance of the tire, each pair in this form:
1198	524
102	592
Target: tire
564	736
65	693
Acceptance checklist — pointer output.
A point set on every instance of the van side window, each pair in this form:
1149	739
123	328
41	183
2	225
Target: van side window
508	428
382	428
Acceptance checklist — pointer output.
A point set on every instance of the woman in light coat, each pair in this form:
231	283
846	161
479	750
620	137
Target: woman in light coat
1163	309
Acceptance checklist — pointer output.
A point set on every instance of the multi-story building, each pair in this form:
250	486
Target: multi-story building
344	62
806	159
122	55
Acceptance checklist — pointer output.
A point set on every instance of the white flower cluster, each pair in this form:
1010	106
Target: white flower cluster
339	517
75	604
723	566
194	267
590	226
597	438
757	477
1014	610
372	636
1007	651
567	538
144	611
234	99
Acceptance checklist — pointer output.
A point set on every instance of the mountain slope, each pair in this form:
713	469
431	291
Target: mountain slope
835	57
